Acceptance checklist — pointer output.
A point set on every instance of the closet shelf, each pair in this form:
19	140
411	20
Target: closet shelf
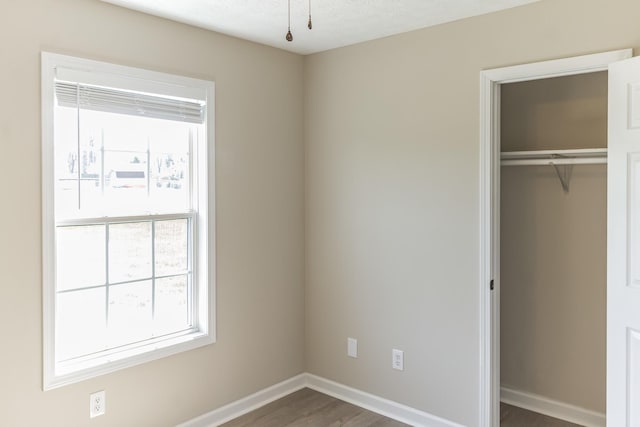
554	157
561	160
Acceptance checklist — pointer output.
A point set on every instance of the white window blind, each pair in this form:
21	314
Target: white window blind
69	94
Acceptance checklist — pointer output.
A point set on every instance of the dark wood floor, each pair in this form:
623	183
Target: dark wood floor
512	416
311	409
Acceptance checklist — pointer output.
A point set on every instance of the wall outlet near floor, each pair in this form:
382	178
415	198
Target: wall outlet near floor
397	359
97	404
352	347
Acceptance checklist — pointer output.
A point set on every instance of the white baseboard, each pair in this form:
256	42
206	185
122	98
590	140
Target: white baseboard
377	404
248	404
552	408
365	400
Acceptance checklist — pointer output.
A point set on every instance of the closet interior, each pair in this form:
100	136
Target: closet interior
553	236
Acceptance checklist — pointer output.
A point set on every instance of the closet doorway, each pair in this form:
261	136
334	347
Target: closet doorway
492	83
553	257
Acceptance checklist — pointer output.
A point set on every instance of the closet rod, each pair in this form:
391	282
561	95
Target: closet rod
554	161
554	157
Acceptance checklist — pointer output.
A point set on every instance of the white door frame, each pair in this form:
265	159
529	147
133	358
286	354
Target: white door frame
490	81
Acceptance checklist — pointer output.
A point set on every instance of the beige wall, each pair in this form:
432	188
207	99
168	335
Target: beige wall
260	216
392	194
553	245
391	199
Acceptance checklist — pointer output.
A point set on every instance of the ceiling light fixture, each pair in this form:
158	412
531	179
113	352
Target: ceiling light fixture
289	36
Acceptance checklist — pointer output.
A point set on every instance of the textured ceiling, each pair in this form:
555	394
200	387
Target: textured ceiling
336	23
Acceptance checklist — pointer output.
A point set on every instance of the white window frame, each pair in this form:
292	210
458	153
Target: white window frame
204	235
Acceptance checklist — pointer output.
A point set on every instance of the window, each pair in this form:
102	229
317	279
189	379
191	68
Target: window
126	236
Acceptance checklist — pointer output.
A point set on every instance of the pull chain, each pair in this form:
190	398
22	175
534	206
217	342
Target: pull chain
289	36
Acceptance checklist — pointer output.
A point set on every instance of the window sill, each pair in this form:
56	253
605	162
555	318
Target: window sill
68	373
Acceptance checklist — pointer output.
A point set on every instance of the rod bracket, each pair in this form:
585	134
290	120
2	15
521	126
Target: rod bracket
563	172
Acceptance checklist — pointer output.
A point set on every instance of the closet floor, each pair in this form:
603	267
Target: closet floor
512	416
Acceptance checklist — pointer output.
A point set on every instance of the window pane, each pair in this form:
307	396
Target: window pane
169	180
171	247
81	321
66	162
171	308
130	311
115	164
90	164
129	251
81	256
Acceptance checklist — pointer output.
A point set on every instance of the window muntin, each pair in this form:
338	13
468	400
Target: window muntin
125	235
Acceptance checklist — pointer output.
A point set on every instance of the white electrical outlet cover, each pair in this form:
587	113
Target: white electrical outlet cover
97	404
397	359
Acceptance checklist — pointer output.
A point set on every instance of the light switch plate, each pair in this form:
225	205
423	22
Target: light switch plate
352	347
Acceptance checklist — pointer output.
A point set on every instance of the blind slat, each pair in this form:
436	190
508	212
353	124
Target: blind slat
126	102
